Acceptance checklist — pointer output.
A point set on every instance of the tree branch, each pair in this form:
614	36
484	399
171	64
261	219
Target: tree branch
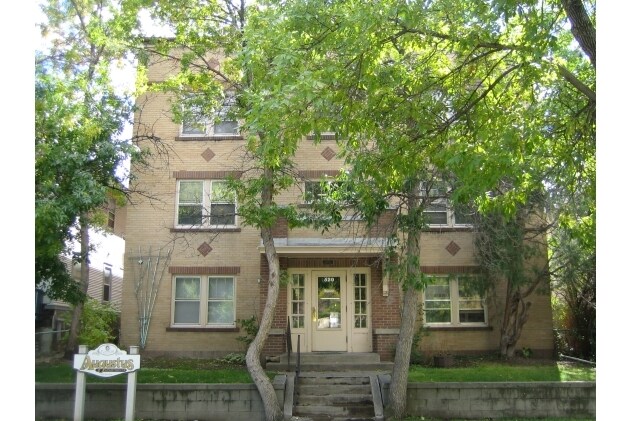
580	86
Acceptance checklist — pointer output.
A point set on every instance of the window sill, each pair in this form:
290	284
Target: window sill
201	329
458	328
205	229
193	138
448	229
323	136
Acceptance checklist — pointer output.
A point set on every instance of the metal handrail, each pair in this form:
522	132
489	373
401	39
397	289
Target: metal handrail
289	352
288	342
567	357
297	377
298	359
52	331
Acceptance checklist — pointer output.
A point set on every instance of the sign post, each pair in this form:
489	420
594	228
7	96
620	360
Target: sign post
79	397
131	389
106	361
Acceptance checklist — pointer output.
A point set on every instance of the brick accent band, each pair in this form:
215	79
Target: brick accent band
317	173
206	175
202	329
327	136
195	230
204	270
208	138
457	328
446	270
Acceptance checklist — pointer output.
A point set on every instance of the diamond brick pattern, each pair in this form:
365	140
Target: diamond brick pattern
208	154
452	248
204	249
328	153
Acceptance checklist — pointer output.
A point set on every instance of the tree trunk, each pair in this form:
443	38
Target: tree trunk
582	27
399	381
273	411
75	324
515	317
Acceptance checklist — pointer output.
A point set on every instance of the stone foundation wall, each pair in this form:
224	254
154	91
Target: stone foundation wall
498	400
240	402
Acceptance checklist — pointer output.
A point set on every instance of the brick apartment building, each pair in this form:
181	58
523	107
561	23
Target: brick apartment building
336	298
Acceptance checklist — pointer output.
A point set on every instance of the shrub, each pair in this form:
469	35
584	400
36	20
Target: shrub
251	328
99	323
234	358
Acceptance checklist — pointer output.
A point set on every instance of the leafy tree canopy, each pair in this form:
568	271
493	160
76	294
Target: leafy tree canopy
78	121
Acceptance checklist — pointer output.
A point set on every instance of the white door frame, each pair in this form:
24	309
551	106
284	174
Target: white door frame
302	301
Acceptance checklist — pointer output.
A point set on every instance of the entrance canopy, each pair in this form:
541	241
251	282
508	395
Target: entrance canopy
301	245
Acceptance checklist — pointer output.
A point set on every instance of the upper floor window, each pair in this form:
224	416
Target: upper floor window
222	123
315	190
335	190
439	211
205	204
453	301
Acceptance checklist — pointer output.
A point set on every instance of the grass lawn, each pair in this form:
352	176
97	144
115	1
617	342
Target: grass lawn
504	371
184	370
155	370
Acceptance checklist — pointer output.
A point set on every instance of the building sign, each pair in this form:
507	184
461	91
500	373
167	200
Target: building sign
106	361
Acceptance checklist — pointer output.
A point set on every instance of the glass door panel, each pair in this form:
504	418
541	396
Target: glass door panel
329	302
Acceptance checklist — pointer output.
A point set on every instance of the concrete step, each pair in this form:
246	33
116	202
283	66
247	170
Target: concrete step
323	378
352	399
345	410
319	390
332	357
378	367
332	361
334	395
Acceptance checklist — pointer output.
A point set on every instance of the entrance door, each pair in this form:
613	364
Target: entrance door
328	311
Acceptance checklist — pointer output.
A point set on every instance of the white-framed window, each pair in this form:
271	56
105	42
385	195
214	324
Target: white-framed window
453	301
222	123
315	190
439	211
205	204
360	300
204	301
297	300
107	282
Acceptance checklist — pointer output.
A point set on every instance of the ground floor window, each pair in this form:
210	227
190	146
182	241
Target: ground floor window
360	290
298	301
204	300
453	300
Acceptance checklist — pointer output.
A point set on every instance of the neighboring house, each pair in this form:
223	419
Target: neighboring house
337	297
105	283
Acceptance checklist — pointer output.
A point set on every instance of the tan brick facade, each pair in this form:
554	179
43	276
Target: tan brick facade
236	252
